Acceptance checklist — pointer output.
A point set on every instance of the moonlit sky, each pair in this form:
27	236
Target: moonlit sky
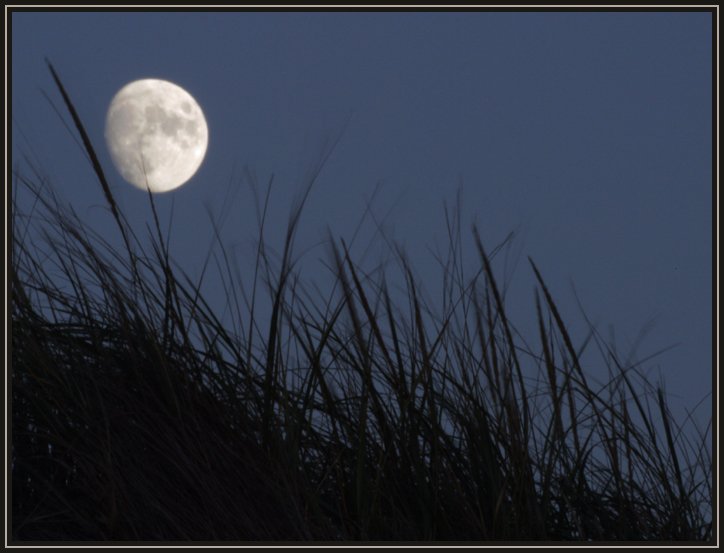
588	134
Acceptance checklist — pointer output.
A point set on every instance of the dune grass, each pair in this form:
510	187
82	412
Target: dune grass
138	415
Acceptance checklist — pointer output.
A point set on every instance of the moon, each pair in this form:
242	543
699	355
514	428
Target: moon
156	134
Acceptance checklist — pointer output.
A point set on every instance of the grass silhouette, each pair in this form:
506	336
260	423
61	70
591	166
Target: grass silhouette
138	415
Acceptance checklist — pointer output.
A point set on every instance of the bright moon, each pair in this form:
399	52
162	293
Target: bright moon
156	134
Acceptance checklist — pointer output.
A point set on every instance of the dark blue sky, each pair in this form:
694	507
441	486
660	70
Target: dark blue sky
589	134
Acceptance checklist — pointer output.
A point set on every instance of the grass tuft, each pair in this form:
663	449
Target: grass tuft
356	415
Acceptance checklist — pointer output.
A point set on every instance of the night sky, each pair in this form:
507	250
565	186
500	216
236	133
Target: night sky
588	135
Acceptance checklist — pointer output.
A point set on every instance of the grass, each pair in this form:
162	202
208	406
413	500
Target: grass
138	415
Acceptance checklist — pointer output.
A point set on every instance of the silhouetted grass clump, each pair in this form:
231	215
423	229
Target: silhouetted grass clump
138	415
